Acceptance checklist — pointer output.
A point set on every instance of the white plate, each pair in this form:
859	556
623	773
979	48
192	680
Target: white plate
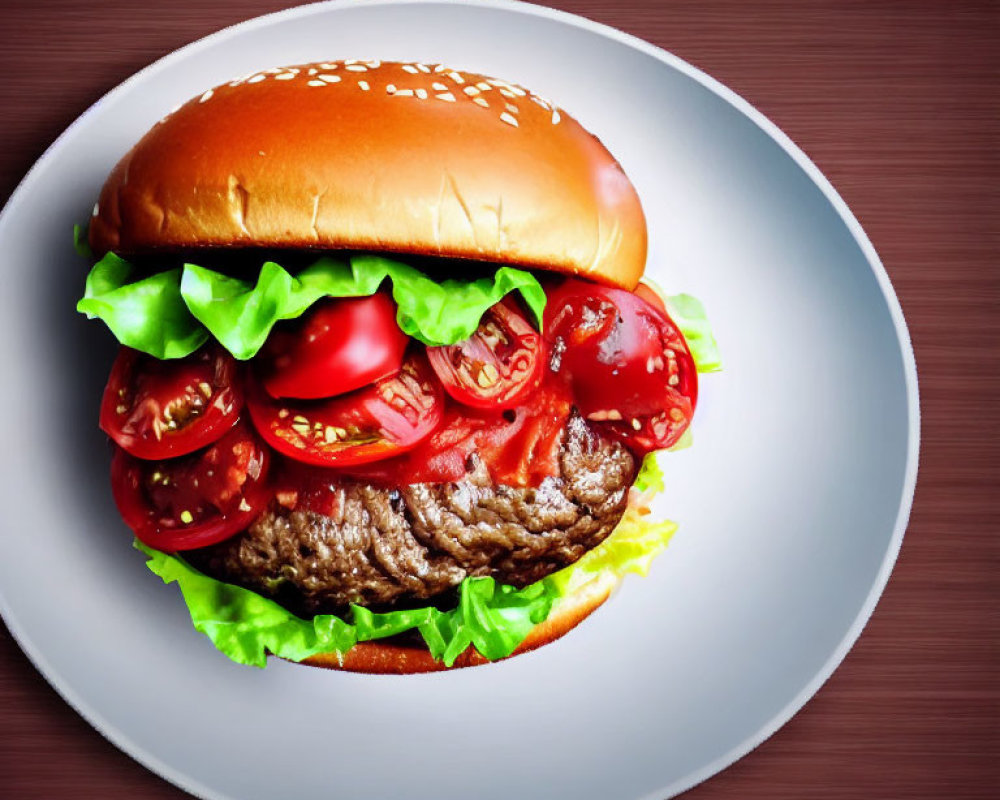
792	502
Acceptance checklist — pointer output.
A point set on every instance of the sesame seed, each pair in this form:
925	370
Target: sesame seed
410	68
327	65
256	79
542	102
447	96
404	93
422	94
440	68
312	71
390	88
207	96
483	86
316	83
439	87
507	93
260	153
481	101
555	117
350	61
374	64
471	91
329	78
517	90
363	85
423	68
456	76
296	71
356	68
284	76
483	379
510	120
512	108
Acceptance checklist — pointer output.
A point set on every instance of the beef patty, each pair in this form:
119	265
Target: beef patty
392	546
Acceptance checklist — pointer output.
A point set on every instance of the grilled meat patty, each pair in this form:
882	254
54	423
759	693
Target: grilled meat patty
386	546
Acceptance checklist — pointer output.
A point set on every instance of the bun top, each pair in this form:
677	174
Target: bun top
382	156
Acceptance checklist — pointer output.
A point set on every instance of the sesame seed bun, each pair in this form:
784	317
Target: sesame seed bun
383	658
382	156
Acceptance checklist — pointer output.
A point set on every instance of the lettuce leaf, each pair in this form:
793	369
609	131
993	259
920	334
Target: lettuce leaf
491	617
245	626
650	477
689	315
170	314
80	243
149	315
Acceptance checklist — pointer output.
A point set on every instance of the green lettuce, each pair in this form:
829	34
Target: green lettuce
689	315
240	316
80	243
171	314
491	617
245	626
148	315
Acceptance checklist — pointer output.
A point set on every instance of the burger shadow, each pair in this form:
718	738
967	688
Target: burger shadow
74	356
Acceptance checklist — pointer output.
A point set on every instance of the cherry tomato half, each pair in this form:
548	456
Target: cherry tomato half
161	409
629	366
338	346
389	417
195	500
496	367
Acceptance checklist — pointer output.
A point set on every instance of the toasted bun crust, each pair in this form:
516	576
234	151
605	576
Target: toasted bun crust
381	658
383	156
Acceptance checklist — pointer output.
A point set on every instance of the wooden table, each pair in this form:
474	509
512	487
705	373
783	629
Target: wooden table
897	104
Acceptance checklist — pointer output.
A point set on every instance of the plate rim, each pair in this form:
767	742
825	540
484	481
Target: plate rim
182	781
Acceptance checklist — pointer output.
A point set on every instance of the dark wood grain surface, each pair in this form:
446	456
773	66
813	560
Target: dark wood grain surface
897	102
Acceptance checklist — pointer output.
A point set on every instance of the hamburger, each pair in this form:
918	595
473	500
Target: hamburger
390	391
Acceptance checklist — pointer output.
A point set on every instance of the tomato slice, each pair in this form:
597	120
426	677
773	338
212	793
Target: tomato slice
629	366
161	409
382	420
651	294
527	450
520	447
195	500
338	346
498	366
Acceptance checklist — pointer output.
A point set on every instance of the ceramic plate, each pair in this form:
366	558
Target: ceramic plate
792	503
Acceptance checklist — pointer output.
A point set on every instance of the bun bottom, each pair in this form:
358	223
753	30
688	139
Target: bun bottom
382	658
